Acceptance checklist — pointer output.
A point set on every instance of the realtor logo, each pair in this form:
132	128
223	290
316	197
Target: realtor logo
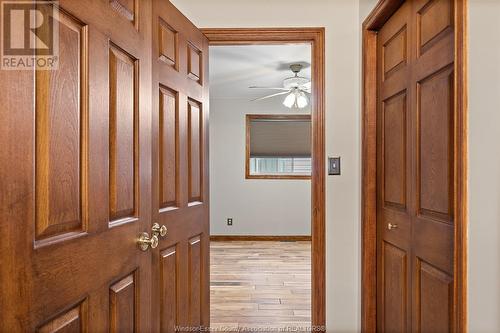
29	35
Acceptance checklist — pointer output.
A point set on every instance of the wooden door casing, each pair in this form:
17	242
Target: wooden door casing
180	169
75	177
416	143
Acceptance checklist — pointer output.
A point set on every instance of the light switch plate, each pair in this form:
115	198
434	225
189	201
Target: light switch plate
334	166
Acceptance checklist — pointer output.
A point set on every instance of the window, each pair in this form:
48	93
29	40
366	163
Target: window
278	146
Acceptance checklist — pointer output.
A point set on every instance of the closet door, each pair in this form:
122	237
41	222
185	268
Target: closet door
416	168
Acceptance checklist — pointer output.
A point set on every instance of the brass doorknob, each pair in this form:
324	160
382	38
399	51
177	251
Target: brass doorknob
144	242
159	231
391	226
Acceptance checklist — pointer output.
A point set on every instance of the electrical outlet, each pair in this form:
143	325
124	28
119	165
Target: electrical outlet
229	221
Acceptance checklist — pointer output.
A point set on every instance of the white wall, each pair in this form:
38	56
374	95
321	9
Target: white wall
257	206
340	17
484	166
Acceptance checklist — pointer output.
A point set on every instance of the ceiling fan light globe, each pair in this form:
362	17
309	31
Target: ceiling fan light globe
302	100
289	100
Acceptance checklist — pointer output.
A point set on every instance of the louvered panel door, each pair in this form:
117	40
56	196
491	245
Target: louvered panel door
76	177
415	168
180	169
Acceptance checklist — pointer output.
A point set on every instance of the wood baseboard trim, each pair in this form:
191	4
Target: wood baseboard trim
225	238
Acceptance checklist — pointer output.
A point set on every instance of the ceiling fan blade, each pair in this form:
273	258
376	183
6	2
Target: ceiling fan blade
269	96
270	88
306	86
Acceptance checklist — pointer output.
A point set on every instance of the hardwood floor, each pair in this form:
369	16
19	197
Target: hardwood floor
259	285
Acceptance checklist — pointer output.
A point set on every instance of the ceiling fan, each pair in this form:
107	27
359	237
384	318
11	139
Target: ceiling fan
296	88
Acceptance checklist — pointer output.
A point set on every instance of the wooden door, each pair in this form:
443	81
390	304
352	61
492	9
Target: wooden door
75	177
415	168
92	156
180	169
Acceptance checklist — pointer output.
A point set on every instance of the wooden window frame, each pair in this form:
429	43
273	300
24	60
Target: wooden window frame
316	38
373	23
249	118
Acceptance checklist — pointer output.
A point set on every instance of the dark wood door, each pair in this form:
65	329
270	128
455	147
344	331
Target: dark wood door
92	156
180	169
415	168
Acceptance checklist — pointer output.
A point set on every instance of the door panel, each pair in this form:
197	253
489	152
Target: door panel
122	133
435	154
434	299
434	20
169	290
122	305
59	128
194	280
395	288
394	150
72	320
195	149
168	148
415	161
180	168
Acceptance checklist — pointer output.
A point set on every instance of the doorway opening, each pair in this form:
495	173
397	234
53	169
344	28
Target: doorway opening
267	178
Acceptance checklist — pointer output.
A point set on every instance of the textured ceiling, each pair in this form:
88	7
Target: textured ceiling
234	68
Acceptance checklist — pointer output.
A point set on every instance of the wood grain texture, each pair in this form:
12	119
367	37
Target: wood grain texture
395	51
460	86
168	44
194	62
61	283
61	137
169	290
394	150
435	145
260	284
194	281
180	170
122	133
369	181
394	289
195	151
128	9
73	320
168	148
434	299
122	305
435	33
315	36
433	21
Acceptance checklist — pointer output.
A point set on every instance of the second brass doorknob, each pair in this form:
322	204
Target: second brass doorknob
159	231
391	226
145	242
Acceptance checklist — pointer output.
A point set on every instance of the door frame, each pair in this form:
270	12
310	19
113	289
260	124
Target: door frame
315	37
373	23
